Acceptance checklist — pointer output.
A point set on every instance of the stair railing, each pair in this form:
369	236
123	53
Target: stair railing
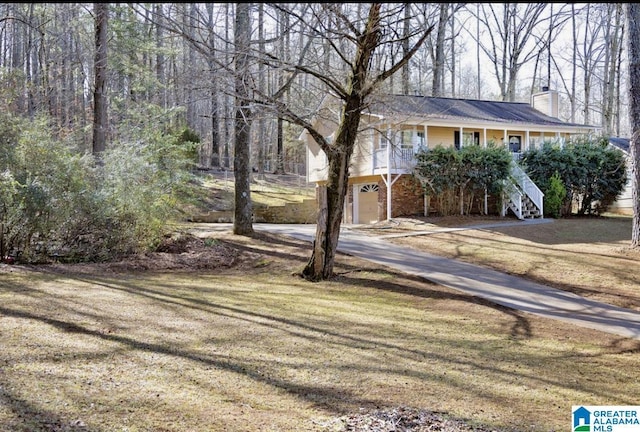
528	187
513	199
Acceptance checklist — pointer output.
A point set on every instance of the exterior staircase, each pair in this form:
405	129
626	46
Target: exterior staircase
522	196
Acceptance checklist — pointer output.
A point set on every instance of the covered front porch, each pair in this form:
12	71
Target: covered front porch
395	150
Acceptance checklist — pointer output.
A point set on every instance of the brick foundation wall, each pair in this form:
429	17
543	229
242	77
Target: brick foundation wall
407	198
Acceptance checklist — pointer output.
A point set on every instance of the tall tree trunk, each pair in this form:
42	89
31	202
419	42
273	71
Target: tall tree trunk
321	263
478	64
574	67
405	48
284	54
243	214
279	147
100	66
227	114
189	56
160	59
452	25
633	43
437	86
262	89
213	158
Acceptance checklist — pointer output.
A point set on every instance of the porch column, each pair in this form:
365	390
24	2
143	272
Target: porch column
526	140
484	130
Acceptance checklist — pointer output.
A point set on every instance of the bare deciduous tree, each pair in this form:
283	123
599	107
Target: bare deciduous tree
360	35
243	213
510	28
633	45
100	66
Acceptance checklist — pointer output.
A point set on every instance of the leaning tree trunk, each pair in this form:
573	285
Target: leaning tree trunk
633	23
359	87
331	197
321	263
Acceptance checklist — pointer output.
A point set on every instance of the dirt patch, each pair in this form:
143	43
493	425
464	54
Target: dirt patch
177	252
404	419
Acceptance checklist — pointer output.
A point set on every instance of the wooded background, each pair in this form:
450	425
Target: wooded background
173	62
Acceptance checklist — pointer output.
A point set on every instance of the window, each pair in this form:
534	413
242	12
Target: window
383	141
471	138
534	143
422	142
407	139
468	138
515	143
369	188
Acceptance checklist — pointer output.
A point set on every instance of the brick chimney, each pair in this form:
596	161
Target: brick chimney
546	101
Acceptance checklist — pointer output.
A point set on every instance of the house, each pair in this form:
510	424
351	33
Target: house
395	127
623	204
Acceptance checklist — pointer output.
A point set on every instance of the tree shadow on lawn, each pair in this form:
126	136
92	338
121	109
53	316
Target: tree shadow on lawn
30	417
336	399
521	328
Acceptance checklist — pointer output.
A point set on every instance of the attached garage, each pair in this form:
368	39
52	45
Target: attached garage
366	203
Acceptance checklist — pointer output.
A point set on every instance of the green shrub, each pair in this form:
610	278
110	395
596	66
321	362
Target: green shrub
554	196
592	172
454	177
56	202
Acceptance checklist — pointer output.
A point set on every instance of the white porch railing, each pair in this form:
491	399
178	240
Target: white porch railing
521	193
401	158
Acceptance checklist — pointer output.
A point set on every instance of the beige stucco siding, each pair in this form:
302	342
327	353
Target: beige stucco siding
361	160
316	161
439	136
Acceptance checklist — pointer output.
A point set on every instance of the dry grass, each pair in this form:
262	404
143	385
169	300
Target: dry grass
273	190
246	345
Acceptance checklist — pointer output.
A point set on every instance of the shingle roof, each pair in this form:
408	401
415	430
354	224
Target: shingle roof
465	109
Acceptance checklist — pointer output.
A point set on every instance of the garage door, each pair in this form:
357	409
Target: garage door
368	203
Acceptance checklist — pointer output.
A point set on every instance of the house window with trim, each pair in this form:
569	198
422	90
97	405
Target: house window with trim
468	139
406	139
382	141
422	141
535	143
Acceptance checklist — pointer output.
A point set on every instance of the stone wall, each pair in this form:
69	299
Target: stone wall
295	213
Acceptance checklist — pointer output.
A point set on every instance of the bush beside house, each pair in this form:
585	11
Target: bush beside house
593	173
